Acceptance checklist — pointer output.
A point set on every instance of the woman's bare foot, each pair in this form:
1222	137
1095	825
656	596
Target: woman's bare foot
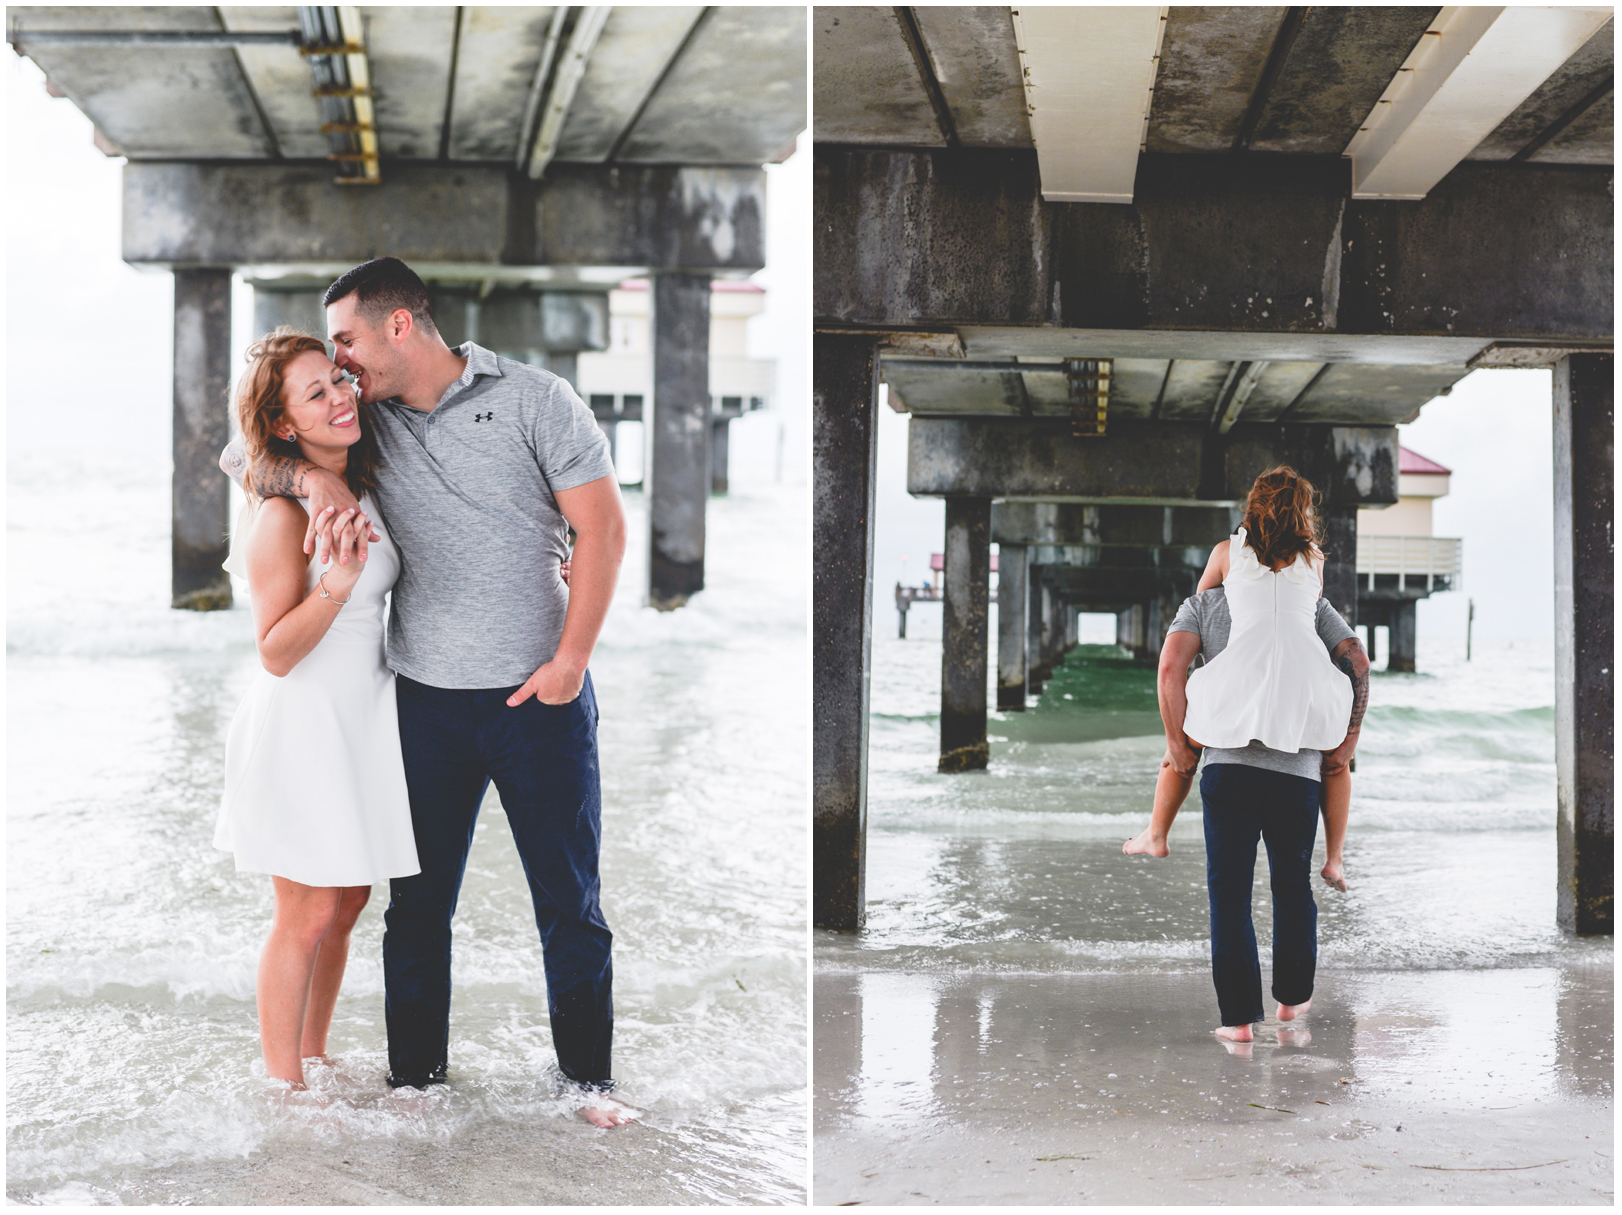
606	1113
1334	875
1146	844
1234	1033
1289	1012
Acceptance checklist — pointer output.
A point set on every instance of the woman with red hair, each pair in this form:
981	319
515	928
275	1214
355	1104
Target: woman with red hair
324	822
1272	687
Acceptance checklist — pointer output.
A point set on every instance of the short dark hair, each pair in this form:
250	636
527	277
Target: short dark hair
382	285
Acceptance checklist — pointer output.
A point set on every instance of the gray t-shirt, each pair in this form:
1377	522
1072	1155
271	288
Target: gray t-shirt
466	493
1207	615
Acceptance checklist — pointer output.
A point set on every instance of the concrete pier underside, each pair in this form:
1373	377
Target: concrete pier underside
503	256
1251	288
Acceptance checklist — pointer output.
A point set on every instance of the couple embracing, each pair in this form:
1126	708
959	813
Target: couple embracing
363	750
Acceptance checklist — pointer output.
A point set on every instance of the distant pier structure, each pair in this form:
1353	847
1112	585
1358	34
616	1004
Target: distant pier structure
617	381
1115	262
524	160
1399	562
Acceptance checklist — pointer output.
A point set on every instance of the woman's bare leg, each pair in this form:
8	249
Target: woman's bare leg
330	961
304	915
1171	791
1337	809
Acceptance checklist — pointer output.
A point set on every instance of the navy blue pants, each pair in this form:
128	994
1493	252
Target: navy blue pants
543	759
1244	804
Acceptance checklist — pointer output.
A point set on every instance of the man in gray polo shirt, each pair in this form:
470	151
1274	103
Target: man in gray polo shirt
485	465
1252	794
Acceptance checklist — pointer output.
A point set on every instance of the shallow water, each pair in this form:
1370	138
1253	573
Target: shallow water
1027	1016
1450	852
132	1044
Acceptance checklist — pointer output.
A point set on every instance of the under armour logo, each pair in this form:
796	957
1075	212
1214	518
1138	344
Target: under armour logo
483	417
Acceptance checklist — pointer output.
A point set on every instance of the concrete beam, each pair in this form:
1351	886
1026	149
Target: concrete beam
1103	524
679	438
1168	464
477	221
1256	245
845	395
1585	636
966	594
200	527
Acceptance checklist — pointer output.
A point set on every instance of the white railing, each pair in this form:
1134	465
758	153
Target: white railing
1410	557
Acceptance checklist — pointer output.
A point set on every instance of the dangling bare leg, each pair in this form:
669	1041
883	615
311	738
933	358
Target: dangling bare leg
1337	809
1171	791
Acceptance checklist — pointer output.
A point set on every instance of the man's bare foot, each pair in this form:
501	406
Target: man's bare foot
606	1113
1235	1033
1334	875
1146	844
1289	1012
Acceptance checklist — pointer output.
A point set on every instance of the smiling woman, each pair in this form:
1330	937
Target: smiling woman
330	827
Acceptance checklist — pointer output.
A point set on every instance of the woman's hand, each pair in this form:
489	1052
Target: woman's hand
348	530
329	498
563	571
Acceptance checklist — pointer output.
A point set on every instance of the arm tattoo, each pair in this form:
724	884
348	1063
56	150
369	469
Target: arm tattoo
233	462
1360	686
279	476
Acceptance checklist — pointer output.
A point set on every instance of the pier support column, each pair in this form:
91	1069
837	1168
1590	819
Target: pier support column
1013	626
1340	559
1053	610
719	436
1400	636
679	470
1584	638
199	535
1036	598
965	609
844	452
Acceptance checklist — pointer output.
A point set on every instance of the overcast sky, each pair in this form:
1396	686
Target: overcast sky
89	365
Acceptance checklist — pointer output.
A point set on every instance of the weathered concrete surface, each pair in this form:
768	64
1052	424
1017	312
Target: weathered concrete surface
1247	244
864	85
1575	79
474	217
679	467
1210	64
1339	520
976	61
202	378
1013	622
1585	634
1167	464
844	454
966	591
1111	525
1341	61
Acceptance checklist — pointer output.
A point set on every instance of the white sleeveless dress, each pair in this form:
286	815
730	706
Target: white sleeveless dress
315	787
1274	682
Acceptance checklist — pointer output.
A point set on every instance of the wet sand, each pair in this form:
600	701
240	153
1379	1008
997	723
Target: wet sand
1433	1086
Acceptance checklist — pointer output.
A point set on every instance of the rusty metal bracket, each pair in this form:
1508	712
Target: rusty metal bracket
1089	395
342	48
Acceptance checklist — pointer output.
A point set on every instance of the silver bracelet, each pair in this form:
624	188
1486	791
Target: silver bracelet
321	582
